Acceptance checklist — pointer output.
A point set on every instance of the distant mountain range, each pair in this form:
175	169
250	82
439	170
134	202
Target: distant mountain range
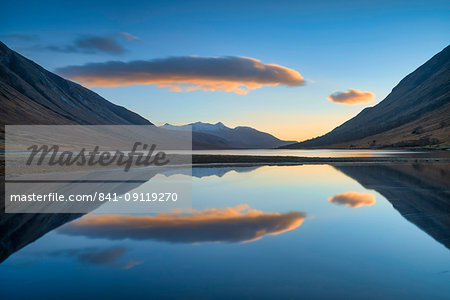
415	113
29	94
219	136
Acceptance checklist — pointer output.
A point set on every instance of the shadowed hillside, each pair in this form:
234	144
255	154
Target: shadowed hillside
29	94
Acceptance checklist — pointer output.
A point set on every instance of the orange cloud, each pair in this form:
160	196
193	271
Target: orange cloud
186	73
353	199
231	224
352	97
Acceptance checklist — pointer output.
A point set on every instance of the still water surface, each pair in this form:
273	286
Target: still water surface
308	231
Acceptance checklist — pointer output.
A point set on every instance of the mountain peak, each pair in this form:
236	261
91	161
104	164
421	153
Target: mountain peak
5	53
219	136
202	126
31	94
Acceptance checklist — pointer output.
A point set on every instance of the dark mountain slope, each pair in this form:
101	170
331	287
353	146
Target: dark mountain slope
29	94
423	93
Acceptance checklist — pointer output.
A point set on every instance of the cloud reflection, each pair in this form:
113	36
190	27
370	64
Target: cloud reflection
94	256
231	224
353	199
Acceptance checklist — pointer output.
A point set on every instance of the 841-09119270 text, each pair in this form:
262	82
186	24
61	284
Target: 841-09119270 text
101	197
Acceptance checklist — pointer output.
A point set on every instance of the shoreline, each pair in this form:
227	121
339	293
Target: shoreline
200	159
212	160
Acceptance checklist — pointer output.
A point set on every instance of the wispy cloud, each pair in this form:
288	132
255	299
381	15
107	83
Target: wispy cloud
92	44
186	73
232	224
351	97
23	37
128	36
353	199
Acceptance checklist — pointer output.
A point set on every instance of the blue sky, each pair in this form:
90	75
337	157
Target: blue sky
363	45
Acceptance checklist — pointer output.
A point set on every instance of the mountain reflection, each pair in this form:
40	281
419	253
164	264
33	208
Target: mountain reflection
20	229
353	199
231	224
419	192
